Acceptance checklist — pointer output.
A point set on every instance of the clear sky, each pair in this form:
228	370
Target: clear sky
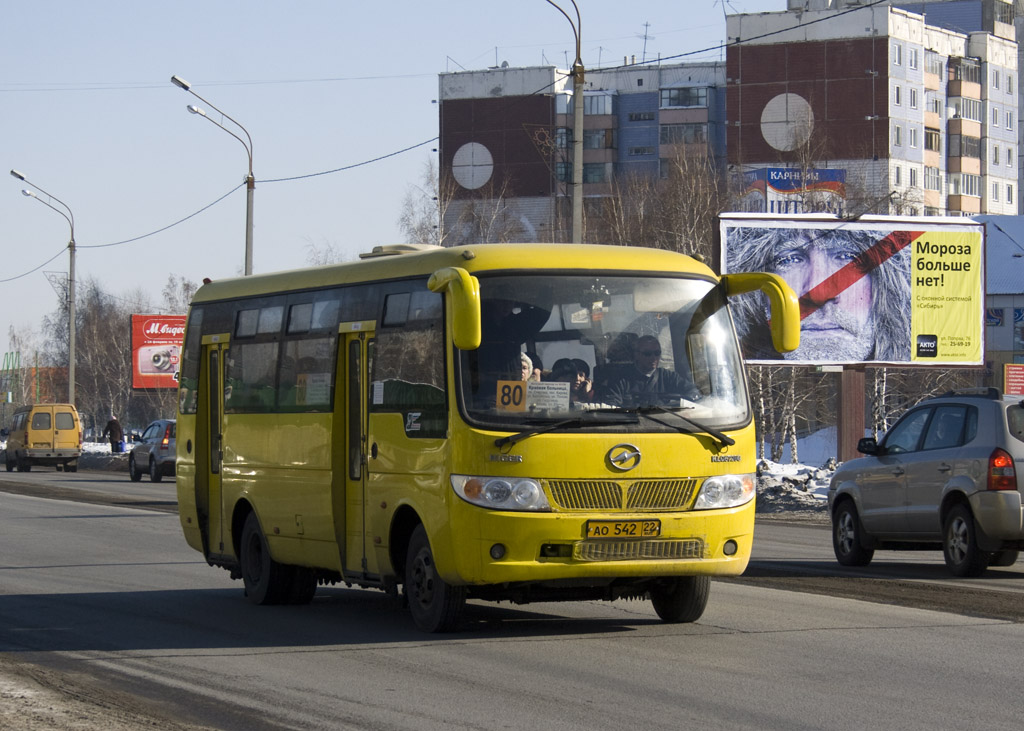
87	112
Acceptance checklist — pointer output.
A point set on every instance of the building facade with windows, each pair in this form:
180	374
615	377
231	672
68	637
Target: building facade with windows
922	117
506	133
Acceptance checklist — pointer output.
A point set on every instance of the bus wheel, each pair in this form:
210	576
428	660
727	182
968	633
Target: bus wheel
435	606
681	599
266	581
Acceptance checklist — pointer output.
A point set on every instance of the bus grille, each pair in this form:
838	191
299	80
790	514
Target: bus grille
624	495
637	550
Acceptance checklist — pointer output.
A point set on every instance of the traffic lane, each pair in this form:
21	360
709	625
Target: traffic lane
93	486
144	614
798	557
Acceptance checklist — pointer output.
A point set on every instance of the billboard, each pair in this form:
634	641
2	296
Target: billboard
890	290
156	350
789	190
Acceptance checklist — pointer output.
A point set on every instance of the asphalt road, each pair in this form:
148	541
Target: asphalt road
106	598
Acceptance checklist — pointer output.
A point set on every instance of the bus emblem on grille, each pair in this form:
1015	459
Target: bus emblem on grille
623	457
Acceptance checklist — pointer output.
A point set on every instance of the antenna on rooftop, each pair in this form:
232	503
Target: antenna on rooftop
646	36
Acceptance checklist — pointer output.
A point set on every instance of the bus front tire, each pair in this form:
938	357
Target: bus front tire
681	599
434	604
266	581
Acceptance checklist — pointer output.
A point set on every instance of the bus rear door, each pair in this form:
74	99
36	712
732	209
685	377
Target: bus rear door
210	433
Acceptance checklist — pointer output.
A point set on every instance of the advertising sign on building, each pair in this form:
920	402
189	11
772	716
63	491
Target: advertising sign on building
1013	379
156	350
788	191
887	290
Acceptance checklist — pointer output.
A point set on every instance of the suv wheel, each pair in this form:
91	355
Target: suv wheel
133	469
155	473
846	536
960	544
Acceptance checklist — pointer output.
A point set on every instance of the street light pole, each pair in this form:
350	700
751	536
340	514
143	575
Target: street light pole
577	125
250	181
70	218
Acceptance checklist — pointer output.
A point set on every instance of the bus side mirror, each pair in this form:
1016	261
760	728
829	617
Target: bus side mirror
785	319
464	304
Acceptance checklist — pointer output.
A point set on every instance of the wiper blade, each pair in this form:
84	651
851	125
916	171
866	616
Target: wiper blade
555	426
723	439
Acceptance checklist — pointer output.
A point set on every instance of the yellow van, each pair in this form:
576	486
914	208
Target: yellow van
44	434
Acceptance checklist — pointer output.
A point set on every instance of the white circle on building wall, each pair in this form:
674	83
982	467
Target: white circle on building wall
472	165
787	122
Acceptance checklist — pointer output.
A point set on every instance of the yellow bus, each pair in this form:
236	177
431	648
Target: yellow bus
369	423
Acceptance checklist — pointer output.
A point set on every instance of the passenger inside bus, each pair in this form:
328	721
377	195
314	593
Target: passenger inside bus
646	377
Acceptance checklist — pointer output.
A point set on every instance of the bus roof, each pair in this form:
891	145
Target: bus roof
387	263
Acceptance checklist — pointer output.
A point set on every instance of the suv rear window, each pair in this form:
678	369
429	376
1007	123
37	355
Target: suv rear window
1015	421
65	420
41	420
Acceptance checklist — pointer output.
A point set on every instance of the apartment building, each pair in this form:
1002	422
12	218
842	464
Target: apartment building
922	117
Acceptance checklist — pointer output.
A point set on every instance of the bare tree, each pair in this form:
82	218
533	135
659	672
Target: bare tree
425	207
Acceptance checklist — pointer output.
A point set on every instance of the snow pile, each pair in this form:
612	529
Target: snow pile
792	487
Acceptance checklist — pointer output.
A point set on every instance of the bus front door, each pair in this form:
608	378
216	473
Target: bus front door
209	442
350	449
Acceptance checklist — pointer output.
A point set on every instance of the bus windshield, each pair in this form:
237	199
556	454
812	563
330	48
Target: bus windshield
578	348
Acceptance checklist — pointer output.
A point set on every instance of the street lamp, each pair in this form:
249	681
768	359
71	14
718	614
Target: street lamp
577	126
250	181
70	218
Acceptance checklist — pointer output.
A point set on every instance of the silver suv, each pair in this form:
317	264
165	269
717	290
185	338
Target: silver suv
155	452
943	477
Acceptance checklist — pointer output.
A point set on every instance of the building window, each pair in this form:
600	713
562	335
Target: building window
965	184
964	146
563	171
932	178
995	192
913	98
1009	120
912	133
563	138
934	63
689	132
634	151
913	177
897	54
912	58
595	104
1009	84
598	139
965	69
690	96
897	95
933	103
995	79
641	116
1009	157
1009	193
932	139
897	175
995	116
995	154
595	172
967	108
897	135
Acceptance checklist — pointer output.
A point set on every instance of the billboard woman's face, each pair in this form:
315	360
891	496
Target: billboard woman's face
840	327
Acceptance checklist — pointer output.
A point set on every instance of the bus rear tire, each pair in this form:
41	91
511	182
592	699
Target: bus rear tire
681	599
303	585
434	604
266	581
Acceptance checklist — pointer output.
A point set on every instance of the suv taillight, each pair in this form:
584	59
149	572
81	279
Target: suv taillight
167	436
1001	473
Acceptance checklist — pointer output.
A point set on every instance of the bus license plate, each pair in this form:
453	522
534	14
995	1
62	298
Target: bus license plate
623	528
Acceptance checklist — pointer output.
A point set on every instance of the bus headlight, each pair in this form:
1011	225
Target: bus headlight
501	493
726	491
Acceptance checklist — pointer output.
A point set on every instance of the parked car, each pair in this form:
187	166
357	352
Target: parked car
44	434
943	477
154	452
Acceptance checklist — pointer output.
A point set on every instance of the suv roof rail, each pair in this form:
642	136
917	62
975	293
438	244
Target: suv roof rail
982	392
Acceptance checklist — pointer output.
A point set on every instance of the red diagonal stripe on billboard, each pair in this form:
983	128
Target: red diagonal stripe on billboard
866	261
